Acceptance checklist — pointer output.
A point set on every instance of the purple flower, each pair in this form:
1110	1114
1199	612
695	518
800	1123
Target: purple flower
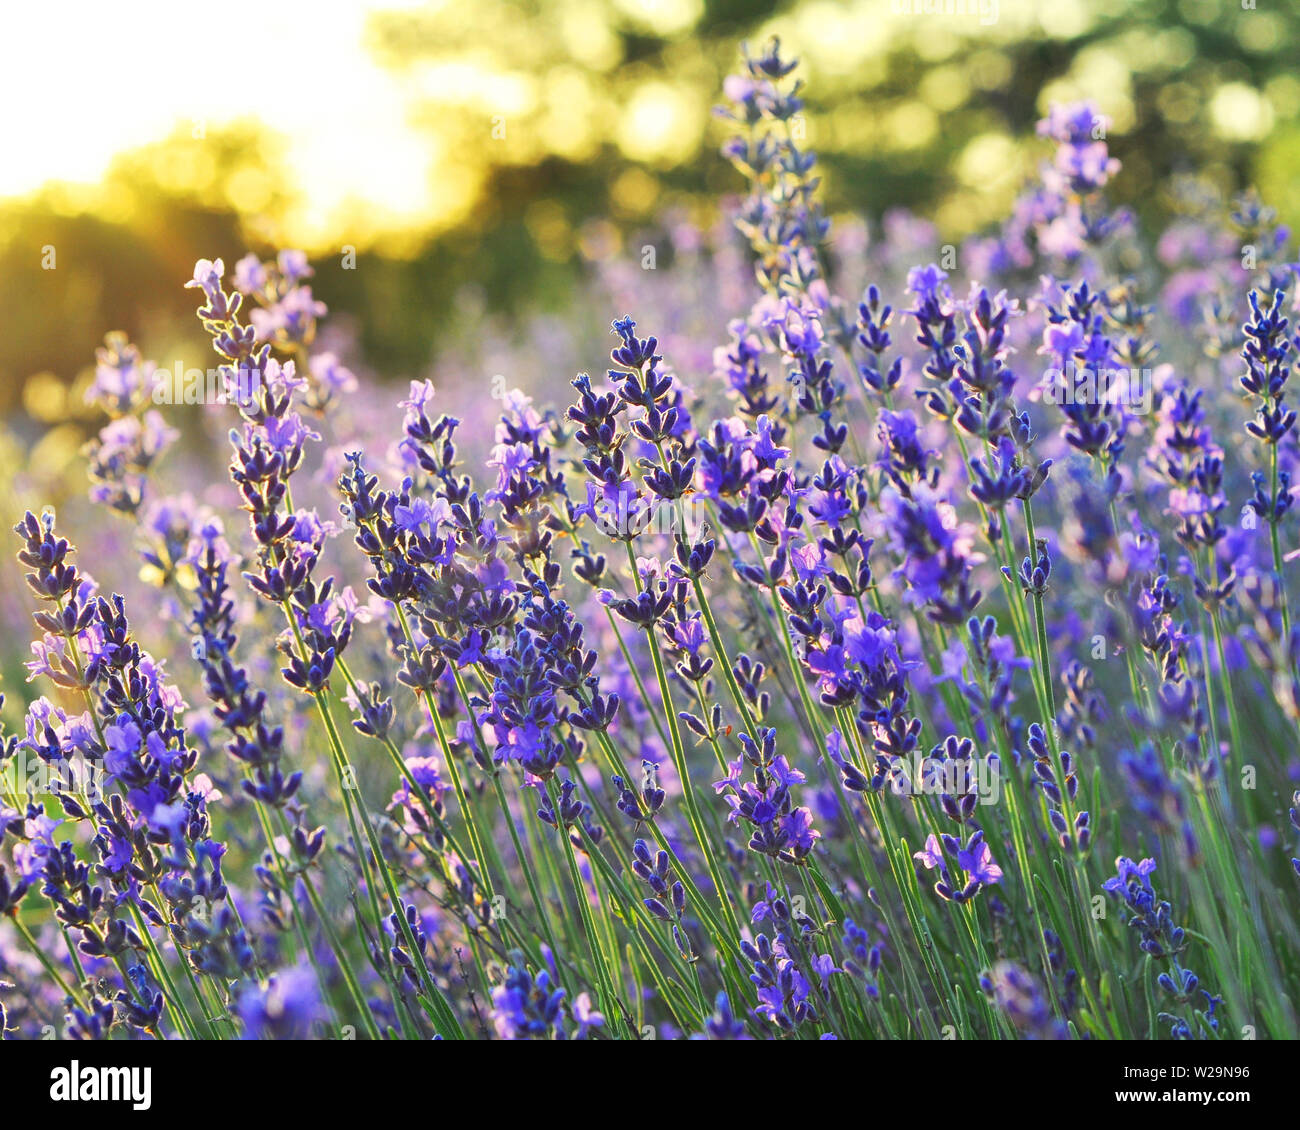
932	856
419	517
207	275
288	433
586	1017
332	374
288	1008
798	828
764	449
928	283
690	634
1130	872
293	265
976	859
250	275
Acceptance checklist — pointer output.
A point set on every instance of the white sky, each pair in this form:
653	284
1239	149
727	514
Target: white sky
81	80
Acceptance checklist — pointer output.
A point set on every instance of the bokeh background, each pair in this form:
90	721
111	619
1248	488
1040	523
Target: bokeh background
453	165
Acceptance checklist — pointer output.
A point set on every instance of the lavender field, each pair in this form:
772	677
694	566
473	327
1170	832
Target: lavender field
870	637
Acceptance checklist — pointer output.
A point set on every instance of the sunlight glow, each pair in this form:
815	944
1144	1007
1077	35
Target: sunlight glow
124	82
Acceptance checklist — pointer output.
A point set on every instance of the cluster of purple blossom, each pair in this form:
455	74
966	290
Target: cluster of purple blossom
878	547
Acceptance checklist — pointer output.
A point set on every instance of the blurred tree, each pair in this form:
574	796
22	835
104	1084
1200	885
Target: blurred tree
547	113
75	263
925	103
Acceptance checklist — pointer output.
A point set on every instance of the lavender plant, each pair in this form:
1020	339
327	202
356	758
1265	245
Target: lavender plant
798	677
